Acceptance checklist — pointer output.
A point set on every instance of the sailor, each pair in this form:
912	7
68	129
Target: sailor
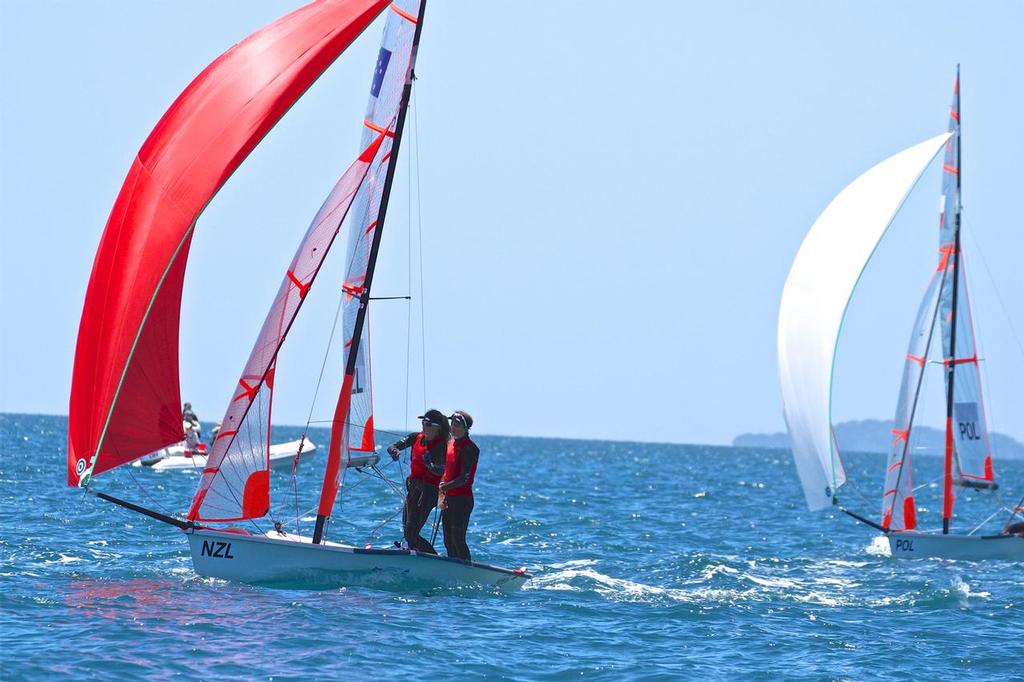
426	464
187	415
1014	529
457	486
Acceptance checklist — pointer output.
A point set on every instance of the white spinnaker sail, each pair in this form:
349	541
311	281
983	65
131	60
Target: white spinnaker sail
814	299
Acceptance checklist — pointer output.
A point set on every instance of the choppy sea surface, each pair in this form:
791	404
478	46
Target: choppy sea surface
649	561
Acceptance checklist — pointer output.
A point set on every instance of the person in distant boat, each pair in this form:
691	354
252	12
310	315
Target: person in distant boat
187	415
190	422
1015	529
457	486
426	465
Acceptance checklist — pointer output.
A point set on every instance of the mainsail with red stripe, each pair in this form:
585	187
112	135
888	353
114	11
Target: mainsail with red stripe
970	436
352	428
125	394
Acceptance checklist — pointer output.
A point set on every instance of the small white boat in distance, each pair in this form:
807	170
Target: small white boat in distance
285	559
178	457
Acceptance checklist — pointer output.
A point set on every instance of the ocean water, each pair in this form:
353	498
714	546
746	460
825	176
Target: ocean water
650	562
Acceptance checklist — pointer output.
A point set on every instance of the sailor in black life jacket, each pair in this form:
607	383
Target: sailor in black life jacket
426	465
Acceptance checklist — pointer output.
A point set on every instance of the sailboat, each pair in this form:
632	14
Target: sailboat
125	392
180	457
818	289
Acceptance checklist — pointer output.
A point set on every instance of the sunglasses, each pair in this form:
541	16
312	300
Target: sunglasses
427	422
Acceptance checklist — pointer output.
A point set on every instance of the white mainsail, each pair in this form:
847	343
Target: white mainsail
970	436
819	286
352	428
386	87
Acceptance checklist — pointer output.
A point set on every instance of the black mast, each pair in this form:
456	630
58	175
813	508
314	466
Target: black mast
364	299
951	371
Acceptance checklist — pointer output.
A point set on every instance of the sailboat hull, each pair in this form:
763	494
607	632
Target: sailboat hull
910	545
288	560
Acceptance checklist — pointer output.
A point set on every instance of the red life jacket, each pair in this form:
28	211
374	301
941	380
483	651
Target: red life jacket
417	466
453	466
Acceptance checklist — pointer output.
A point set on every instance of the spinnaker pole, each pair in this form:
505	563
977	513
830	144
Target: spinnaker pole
947	498
329	489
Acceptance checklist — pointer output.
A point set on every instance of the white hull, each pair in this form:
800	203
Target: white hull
292	560
281	456
911	545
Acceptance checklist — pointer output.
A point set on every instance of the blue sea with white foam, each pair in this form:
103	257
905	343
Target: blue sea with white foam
650	561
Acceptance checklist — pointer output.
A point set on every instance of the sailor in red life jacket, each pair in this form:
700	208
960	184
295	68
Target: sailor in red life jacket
426	464
457	486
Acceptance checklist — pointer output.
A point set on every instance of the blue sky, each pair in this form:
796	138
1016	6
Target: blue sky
610	201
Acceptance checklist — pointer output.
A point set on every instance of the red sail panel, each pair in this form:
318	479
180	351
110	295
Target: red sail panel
236	472
125	396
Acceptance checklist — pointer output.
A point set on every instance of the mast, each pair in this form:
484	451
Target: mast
947	497
328	490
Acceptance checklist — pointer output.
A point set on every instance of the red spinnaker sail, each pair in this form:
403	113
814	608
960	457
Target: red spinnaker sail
125	395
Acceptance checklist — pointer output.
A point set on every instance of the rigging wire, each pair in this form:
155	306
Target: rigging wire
976	246
152	500
408	280
419	236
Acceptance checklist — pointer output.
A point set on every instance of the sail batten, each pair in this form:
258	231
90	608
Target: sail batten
125	395
821	281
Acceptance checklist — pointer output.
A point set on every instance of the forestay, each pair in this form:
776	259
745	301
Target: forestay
814	300
236	480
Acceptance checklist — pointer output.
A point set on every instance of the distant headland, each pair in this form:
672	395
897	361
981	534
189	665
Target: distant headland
874	435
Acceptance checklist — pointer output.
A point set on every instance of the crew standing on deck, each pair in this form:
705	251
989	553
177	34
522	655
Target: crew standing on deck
426	465
457	486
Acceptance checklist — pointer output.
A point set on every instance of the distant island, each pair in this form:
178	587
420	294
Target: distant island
874	435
